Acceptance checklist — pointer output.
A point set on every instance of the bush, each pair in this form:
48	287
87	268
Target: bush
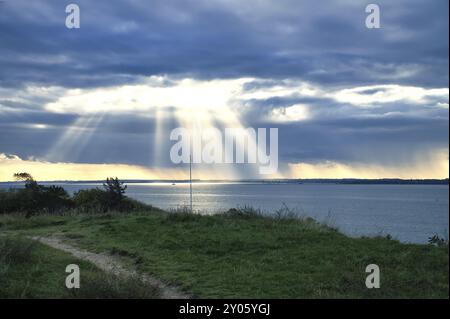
89	200
37	199
114	190
34	199
53	199
99	201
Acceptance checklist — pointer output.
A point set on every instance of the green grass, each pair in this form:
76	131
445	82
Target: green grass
29	269
249	256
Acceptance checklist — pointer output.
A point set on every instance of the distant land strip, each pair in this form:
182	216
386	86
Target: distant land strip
382	181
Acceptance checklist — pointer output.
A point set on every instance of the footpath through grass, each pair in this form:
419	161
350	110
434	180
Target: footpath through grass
245	256
29	269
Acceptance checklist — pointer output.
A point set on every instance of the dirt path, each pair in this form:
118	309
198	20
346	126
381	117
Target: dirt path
113	265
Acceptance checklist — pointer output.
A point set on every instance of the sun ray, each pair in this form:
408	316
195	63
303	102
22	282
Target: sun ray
74	140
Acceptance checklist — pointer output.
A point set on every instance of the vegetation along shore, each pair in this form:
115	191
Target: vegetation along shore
240	253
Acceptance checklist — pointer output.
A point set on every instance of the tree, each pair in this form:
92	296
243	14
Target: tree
30	183
35	198
115	190
23	177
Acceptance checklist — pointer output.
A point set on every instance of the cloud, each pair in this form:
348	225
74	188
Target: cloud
50	171
150	94
130	124
379	94
434	165
43	170
110	92
320	43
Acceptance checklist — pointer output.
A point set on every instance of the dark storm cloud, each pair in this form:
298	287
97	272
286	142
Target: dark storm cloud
124	139
381	141
37	117
326	43
380	133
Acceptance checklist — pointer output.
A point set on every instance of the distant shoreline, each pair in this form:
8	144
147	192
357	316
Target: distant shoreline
345	181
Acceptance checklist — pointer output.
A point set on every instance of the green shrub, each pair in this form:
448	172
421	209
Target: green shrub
35	199
38	199
99	201
91	200
115	191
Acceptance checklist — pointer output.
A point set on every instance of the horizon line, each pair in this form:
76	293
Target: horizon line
386	179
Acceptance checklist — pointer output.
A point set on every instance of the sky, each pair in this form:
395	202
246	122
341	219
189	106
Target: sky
101	100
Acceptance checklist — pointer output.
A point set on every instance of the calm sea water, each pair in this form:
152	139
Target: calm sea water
410	213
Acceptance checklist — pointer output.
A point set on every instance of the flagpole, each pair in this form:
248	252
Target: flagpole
190	179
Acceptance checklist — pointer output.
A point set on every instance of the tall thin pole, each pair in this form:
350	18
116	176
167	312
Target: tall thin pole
190	179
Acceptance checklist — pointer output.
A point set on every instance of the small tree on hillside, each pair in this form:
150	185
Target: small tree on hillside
23	177
115	189
35	198
30	183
